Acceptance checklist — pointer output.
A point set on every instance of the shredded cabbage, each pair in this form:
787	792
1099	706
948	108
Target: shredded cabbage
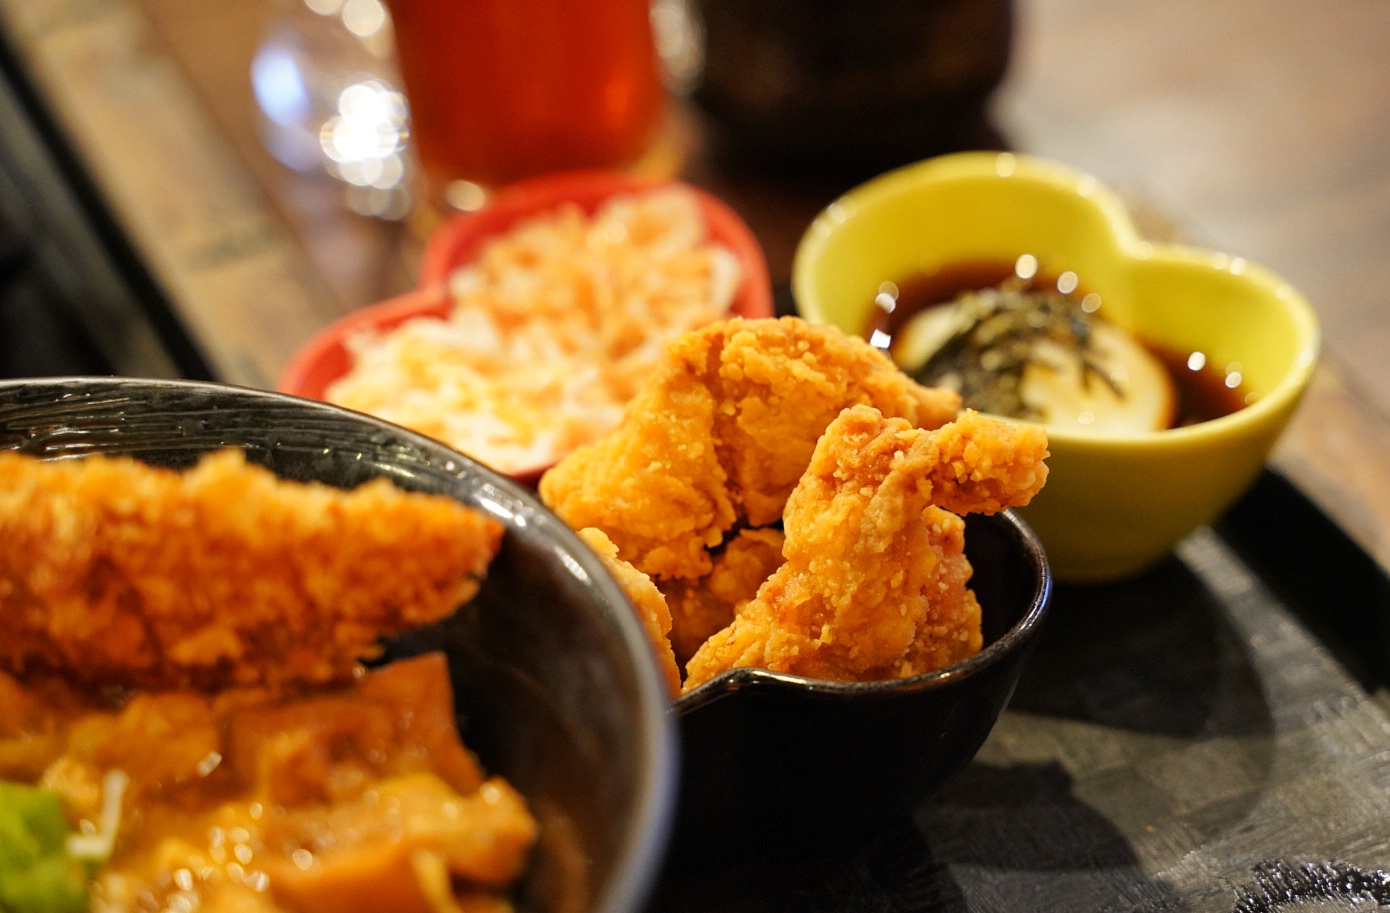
97	847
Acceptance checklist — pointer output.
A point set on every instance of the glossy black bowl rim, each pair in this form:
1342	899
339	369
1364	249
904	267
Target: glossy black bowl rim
656	798
1013	640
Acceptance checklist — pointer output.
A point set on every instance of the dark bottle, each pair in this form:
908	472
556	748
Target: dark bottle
850	84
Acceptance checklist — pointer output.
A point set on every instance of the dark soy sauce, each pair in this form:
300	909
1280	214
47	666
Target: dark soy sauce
1202	392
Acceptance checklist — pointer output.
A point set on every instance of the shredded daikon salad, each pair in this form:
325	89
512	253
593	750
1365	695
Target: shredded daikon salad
551	330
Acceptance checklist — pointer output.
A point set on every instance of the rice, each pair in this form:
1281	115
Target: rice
551	330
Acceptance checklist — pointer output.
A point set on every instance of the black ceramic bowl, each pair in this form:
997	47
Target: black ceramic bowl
777	759
553	678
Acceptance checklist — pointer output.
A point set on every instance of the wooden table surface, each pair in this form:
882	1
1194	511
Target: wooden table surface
1262	129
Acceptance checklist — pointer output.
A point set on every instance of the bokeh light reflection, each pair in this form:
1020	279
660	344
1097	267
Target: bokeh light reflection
364	18
365	141
323	79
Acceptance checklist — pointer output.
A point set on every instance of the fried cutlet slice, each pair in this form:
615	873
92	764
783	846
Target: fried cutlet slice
875	580
721	434
121	573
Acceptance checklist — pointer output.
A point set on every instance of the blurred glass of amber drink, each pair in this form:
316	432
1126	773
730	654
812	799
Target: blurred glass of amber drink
503	89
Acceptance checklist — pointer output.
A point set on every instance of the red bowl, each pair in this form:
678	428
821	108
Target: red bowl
325	357
457	241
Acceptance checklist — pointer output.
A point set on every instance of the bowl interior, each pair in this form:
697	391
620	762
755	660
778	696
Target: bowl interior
787	761
973	207
561	698
992	207
943	211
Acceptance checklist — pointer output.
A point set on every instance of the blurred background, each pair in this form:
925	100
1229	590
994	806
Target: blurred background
195	188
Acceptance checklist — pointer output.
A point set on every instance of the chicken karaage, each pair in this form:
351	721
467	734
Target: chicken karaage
651	606
721	434
875	580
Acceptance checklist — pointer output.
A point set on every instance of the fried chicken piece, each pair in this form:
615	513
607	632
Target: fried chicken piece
645	598
702	608
875	581
118	572
720	436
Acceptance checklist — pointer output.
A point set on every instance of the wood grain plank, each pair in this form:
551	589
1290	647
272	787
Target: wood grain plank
239	280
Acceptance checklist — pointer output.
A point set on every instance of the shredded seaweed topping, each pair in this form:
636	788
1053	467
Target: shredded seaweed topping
997	337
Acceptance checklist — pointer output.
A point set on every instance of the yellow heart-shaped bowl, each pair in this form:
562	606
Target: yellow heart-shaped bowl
1114	504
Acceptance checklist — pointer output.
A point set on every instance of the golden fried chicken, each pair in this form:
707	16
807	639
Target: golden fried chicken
874	584
118	572
701	608
645	598
719	437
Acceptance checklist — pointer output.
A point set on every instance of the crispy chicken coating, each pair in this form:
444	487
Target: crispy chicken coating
651	606
702	608
720	436
875	580
120	573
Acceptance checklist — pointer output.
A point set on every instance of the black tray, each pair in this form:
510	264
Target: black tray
1204	738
